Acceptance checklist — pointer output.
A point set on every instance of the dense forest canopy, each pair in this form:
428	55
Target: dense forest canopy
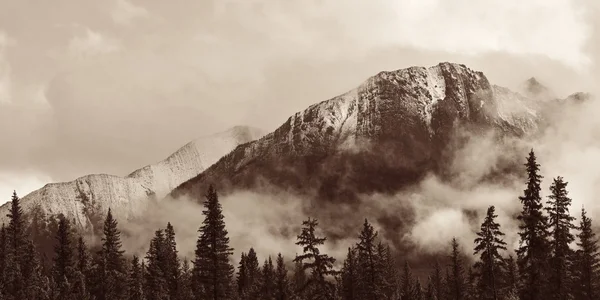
557	258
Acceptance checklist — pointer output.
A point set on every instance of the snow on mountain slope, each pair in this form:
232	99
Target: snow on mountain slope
405	118
127	196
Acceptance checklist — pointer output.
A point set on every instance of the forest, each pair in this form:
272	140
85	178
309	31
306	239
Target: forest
557	258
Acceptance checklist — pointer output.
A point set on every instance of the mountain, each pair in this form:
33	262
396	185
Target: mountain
90	196
379	137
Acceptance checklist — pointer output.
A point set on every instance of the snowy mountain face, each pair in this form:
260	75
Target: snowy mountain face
381	136
92	195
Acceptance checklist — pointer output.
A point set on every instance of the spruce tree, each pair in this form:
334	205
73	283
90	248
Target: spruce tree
389	275
242	278
156	285
456	283
268	288
510	280
253	274
587	274
185	282
64	259
533	252
82	265
560	224
299	280
109	268
35	284
489	266
171	261
406	283
320	265
437	279
212	271
282	284
15	273
370	273
418	291
135	281
430	290
349	276
3	254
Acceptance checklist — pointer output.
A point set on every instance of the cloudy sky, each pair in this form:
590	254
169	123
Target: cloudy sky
109	86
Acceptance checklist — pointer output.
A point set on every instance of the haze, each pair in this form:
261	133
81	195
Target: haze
109	86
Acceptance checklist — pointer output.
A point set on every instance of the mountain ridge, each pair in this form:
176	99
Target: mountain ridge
95	193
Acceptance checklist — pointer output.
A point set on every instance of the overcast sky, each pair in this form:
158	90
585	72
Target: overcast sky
91	86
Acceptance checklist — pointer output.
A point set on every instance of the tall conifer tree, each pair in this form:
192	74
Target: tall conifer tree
587	267
533	252
212	271
488	244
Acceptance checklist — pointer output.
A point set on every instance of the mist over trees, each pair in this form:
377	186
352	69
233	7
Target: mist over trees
557	258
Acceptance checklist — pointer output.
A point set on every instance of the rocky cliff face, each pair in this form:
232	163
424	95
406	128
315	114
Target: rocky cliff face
379	137
90	196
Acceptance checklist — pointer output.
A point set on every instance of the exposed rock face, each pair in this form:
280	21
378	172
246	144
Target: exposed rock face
90	196
379	137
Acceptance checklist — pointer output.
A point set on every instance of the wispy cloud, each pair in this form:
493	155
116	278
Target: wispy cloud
125	12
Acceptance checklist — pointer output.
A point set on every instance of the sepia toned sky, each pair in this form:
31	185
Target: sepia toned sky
109	86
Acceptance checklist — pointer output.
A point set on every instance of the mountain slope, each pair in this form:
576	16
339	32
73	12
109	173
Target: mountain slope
90	196
381	136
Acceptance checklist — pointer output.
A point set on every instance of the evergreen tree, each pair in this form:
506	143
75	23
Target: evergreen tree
349	276
489	267
268	281
437	279
135	282
510	282
406	283
156	285
212	271
35	285
171	261
82	265
389	276
587	275
3	254
369	284
282	284
242	278
534	247
110	271
456	283
299	280
320	265
560	223
185	282
17	241
430	290
253	274
418	291
64	259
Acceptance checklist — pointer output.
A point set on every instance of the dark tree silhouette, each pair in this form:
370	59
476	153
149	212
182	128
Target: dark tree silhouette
488	244
212	272
587	265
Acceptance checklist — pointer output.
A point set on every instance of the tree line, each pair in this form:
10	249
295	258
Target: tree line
551	262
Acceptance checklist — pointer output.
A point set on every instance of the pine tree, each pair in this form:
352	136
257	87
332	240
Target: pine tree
82	266
489	267
430	290
587	275
406	283
437	279
156	285
369	287
15	273
510	281
242	278
64	259
282	284
299	280
560	224
135	282
456	284
3	254
320	265
418	291
171	261
534	247
349	276
110	270
268	281
35	285
212	271
253	274
185	282
389	276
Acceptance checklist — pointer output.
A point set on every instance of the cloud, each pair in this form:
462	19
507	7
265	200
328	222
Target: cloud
5	80
125	12
91	43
